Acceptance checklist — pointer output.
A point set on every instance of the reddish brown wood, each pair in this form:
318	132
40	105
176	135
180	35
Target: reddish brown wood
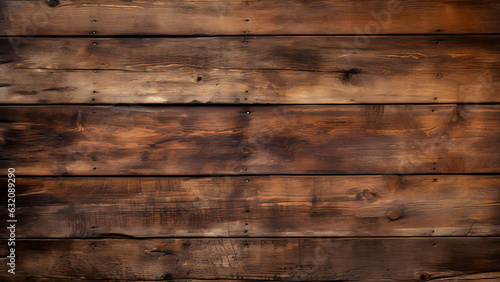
234	70
200	140
265	206
288	259
240	17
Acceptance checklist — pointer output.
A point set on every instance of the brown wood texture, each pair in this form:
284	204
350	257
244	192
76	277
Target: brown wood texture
273	17
265	206
200	140
416	259
248	70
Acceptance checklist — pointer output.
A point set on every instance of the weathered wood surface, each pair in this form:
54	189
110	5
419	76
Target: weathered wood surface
278	70
275	206
201	140
188	17
279	259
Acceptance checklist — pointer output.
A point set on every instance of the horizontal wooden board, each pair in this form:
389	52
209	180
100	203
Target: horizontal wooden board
188	17
414	259
278	70
275	206
201	140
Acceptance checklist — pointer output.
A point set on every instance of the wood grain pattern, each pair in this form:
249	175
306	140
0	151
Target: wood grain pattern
200	140
188	17
266	259
273	206
231	70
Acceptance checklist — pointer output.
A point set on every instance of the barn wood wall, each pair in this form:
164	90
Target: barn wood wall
252	140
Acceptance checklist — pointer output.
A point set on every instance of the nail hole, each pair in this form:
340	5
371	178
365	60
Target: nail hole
434	245
95	71
94	32
246	42
95	168
199	78
246	99
432	110
247	20
246	231
246	91
248	112
246	180
247	211
435	180
217	84
94	21
435	98
438	42
95	91
434	163
438	30
246	31
246	223
93	99
434	168
95	43
439	75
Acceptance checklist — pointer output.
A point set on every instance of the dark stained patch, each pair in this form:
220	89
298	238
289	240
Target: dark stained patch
347	76
160	252
291	58
3	22
57	89
145	156
167	276
65	138
374	115
5	85
115	236
286	146
456	117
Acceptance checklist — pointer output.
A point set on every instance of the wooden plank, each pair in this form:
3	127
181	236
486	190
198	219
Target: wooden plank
235	17
200	140
275	206
278	70
267	259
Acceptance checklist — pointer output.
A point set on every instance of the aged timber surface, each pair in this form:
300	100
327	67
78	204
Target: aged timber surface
248	70
265	206
201	140
330	259
273	17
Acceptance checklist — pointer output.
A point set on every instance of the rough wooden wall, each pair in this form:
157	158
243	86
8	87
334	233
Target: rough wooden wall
235	140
